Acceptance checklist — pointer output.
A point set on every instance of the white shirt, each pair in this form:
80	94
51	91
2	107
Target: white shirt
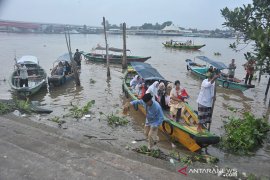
206	94
23	72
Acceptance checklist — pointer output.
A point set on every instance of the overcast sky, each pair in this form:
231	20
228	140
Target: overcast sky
201	14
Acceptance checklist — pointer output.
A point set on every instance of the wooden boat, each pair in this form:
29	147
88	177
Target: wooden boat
182	45
185	133
224	81
117	59
60	79
36	76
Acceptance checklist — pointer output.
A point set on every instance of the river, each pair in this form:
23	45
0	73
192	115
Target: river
108	94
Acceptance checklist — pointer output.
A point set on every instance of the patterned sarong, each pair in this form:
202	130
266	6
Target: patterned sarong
204	114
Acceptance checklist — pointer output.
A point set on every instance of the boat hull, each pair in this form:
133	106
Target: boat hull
113	59
187	135
60	80
191	47
227	84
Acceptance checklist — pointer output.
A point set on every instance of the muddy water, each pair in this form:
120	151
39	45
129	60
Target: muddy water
108	94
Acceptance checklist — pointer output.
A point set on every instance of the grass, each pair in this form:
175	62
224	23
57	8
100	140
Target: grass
57	120
77	112
156	153
193	158
4	108
23	106
114	120
244	135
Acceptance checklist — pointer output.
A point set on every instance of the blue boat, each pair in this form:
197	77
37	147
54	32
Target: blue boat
224	81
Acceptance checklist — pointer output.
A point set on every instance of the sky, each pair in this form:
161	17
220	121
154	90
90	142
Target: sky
201	14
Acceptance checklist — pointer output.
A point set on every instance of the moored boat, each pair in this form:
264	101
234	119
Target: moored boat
114	58
36	76
57	79
224	81
186	132
182	45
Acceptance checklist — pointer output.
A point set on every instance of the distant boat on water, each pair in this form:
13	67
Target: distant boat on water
182	45
114	58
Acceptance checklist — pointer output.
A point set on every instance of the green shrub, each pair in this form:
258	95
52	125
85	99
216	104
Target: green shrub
77	112
244	135
4	108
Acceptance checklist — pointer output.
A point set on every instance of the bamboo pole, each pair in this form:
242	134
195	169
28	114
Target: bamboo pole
73	63
124	60
107	54
213	105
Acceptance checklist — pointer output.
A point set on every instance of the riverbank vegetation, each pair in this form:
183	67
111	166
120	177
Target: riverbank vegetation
243	135
9	106
77	112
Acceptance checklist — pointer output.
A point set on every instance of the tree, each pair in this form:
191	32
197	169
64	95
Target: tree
167	23
147	26
253	21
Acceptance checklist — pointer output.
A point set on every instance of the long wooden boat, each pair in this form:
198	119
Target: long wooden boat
225	82
114	58
182	45
68	75
36	76
185	133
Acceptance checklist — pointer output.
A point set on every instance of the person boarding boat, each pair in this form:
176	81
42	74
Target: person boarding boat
154	117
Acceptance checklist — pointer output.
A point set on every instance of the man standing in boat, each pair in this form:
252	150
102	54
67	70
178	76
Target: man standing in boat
23	75
205	101
231	69
154	117
77	58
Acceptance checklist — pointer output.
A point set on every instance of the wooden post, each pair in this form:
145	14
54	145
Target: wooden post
267	87
107	54
213	105
124	60
73	63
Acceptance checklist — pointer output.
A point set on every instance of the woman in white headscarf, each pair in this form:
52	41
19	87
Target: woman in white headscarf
134	81
153	90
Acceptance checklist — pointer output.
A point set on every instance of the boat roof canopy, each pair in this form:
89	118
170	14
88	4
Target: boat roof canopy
110	49
64	57
146	71
216	64
27	60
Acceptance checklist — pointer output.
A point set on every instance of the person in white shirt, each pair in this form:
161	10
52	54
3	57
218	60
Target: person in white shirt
23	75
205	101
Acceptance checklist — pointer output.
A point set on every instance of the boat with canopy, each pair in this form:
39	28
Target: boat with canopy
188	45
224	80
36	76
59	78
184	132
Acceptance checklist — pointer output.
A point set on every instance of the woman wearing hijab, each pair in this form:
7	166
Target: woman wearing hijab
134	81
153	90
176	102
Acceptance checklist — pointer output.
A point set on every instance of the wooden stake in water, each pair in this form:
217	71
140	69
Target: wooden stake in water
107	54
213	105
124	60
73	63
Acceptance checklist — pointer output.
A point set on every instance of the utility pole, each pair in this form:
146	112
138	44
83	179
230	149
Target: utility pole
124	60
107	54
